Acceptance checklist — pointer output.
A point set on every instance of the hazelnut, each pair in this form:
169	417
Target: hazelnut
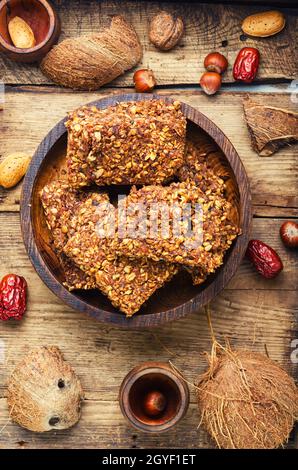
154	403
289	233
144	80
215	62
165	30
210	82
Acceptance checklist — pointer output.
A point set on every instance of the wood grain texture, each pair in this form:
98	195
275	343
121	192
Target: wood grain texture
207	27
251	312
273	180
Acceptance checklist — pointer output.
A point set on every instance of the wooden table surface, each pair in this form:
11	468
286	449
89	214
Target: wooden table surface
251	312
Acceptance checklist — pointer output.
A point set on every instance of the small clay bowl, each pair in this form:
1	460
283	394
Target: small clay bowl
153	377
43	21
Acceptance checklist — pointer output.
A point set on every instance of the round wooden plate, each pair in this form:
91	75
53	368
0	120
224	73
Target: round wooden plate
177	298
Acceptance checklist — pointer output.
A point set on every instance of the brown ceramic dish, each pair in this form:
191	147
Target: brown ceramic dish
147	377
177	298
43	21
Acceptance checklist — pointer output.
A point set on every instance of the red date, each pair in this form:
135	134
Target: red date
264	258
246	64
13	297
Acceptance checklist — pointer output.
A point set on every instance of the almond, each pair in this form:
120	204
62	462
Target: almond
21	33
264	24
13	168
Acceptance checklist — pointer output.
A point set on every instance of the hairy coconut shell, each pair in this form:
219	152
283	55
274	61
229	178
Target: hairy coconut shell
43	392
246	400
88	62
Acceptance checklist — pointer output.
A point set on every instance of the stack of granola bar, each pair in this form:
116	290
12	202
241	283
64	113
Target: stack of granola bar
130	250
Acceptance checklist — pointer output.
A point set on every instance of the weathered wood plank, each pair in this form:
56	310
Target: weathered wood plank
102	426
28	115
251	312
102	356
13	258
248	300
208	27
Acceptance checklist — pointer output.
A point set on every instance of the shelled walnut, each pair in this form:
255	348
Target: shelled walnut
165	30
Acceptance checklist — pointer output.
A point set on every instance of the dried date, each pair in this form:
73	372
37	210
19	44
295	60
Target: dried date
266	261
13	297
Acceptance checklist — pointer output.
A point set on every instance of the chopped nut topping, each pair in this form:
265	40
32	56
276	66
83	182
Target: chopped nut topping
59	202
200	167
135	143
183	249
120	143
127	283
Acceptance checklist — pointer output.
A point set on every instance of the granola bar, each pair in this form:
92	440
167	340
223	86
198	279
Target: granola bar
59	203
128	143
198	167
185	248
127	283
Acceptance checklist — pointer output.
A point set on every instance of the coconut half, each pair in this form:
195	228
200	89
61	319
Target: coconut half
44	392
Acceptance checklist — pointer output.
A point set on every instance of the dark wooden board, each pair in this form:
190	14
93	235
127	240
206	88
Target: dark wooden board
208	27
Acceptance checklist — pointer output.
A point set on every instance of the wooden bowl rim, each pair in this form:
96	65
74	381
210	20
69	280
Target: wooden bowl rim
29	50
224	273
150	368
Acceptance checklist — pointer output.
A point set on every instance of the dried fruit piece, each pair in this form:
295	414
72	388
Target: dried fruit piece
266	23
264	258
289	233
21	33
215	62
44	392
165	30
13	168
13	297
144	80
246	64
210	82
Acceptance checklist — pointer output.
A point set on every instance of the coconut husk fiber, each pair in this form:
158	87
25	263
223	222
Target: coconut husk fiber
88	62
270	128
246	401
44	392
